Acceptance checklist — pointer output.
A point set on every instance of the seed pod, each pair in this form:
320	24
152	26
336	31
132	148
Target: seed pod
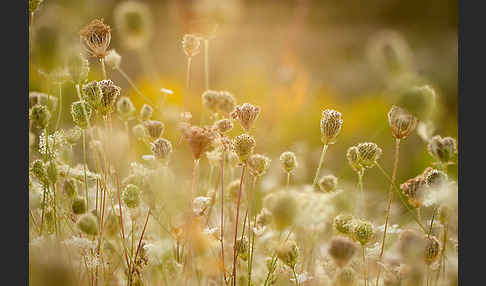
223	126
161	149
243	146
258	164
368	153
110	94
288	161
113	59
78	205
331	123
363	231
344	224
40	116
353	159
131	196
88	224
434	178
401	122
328	183
81	113
155	128
191	45
246	115
78	67
341	249
146	112
92	94
288	253
443	149
125	108
432	249
96	37
414	189
69	187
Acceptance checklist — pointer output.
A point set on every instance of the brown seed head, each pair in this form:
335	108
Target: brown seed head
199	138
331	123
246	114
341	249
401	122
96	37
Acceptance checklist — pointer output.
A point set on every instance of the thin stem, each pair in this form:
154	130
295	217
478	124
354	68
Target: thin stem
323	154
130	82
60	107
206	63
236	224
103	69
222	215
84	169
140	241
390	197
194	178
365	278
31	24
414	216
295	276
188	78
361	192
288	179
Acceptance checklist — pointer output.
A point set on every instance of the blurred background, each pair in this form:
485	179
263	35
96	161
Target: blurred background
292	58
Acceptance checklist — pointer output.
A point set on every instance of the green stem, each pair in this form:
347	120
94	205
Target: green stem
59	113
236	224
414	216
288	179
31	23
361	192
103	69
323	154
84	168
295	276
390	197
365	278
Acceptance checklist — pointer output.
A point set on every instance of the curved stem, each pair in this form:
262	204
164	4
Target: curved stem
206	63
236	224
323	154
390	197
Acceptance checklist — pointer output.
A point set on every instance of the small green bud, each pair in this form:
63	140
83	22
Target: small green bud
40	116
344	223
79	205
363	231
81	113
131	196
88	224
125	108
243	146
92	94
39	170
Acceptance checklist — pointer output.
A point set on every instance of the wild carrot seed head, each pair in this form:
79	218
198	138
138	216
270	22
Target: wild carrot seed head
288	161
96	37
246	115
401	122
81	113
258	164
331	123
243	146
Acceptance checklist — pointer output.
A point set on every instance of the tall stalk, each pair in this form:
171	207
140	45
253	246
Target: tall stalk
59	113
84	168
361	205
390	197
365	274
206	64
103	69
236	224
188	78
222	215
323	154
195	172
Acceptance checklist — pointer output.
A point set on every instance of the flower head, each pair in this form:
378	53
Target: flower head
191	45
40	116
96	37
161	149
199	138
368	153
113	59
442	149
125	108
363	231
110	93
146	112
288	161
81	113
331	123
155	128
401	122
328	183
246	115
243	146
414	189
223	126
258	164
88	224
131	196
288	253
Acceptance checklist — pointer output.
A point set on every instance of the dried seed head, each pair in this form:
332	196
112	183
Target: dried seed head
331	123
345	277
69	187
113	59
210	100
414	189
368	153
353	159
81	113
146	112
110	94
161	149
246	115
38	168
328	183
243	146
88	224
434	178
401	122
432	249
344	224
191	45
155	128
199	138
78	67
288	253
73	135
363	231
34	5
78	205
223	125
133	19
284	211
96	37
442	149
341	249
140	132
92	94
258	164
226	102
131	196
288	161
125	108
40	116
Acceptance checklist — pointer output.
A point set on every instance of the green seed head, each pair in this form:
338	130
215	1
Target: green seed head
243	146
368	153
88	224
39	170
363	231
131	196
353	159
258	164
78	205
40	116
246	115
288	161
92	94
81	113
125	108
344	223
328	183
110	94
